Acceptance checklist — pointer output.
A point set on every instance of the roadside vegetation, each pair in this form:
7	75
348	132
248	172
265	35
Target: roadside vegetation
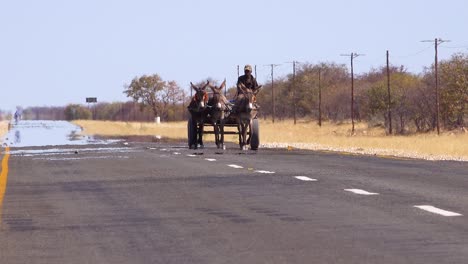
3	128
308	135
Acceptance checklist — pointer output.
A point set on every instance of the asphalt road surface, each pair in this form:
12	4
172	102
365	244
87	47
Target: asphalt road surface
150	202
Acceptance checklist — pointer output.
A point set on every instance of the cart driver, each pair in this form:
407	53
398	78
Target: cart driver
247	80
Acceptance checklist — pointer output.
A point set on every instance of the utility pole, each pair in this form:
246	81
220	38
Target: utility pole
238	71
255	72
273	91
320	98
183	104
294	90
352	56
437	41
389	104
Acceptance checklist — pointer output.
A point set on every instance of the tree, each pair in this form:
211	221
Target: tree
75	112
454	90
170	96
146	91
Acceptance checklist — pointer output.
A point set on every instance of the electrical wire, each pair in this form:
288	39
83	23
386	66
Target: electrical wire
414	54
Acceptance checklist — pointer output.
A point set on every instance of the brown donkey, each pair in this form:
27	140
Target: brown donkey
245	111
198	112
217	107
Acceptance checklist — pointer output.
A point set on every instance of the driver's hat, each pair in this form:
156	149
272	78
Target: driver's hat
248	68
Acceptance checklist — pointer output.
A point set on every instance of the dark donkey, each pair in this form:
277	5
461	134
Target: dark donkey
217	108
198	111
245	111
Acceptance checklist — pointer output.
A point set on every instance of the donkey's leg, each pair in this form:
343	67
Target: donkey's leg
222	134
241	135
244	136
216	133
201	134
193	141
249	135
239	129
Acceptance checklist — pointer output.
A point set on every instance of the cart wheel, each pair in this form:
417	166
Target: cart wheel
255	137
189	131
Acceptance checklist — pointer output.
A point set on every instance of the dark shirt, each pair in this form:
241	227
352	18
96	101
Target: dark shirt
248	81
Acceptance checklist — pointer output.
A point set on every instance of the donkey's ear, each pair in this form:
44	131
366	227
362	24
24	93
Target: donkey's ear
223	84
212	87
204	86
193	86
242	88
257	90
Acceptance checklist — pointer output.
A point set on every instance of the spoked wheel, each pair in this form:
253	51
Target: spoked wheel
255	135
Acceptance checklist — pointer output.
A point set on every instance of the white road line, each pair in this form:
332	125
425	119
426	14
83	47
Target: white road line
210	159
176	153
436	210
235	166
359	191
163	149
264	171
191	155
304	178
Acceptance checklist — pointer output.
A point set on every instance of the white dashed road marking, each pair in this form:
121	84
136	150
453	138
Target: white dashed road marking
264	171
176	153
436	210
235	166
359	191
304	178
210	159
191	155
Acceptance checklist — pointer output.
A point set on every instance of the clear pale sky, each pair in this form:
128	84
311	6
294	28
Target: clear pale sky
55	52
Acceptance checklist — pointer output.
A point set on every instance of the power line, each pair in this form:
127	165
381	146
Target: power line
414	54
456	47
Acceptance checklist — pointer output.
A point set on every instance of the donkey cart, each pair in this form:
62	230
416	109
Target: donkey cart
230	122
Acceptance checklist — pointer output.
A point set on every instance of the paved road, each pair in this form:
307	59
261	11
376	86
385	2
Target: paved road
163	203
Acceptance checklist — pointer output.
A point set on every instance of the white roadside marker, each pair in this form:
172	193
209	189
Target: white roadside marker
359	191
304	178
235	166
264	171
436	210
210	159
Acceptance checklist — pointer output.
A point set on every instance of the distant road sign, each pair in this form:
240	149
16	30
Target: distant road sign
91	99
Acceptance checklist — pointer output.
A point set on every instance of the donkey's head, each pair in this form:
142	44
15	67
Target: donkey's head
200	98
247	98
218	100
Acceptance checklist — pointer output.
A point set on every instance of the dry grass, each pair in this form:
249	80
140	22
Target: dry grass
110	128
3	128
310	135
366	140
